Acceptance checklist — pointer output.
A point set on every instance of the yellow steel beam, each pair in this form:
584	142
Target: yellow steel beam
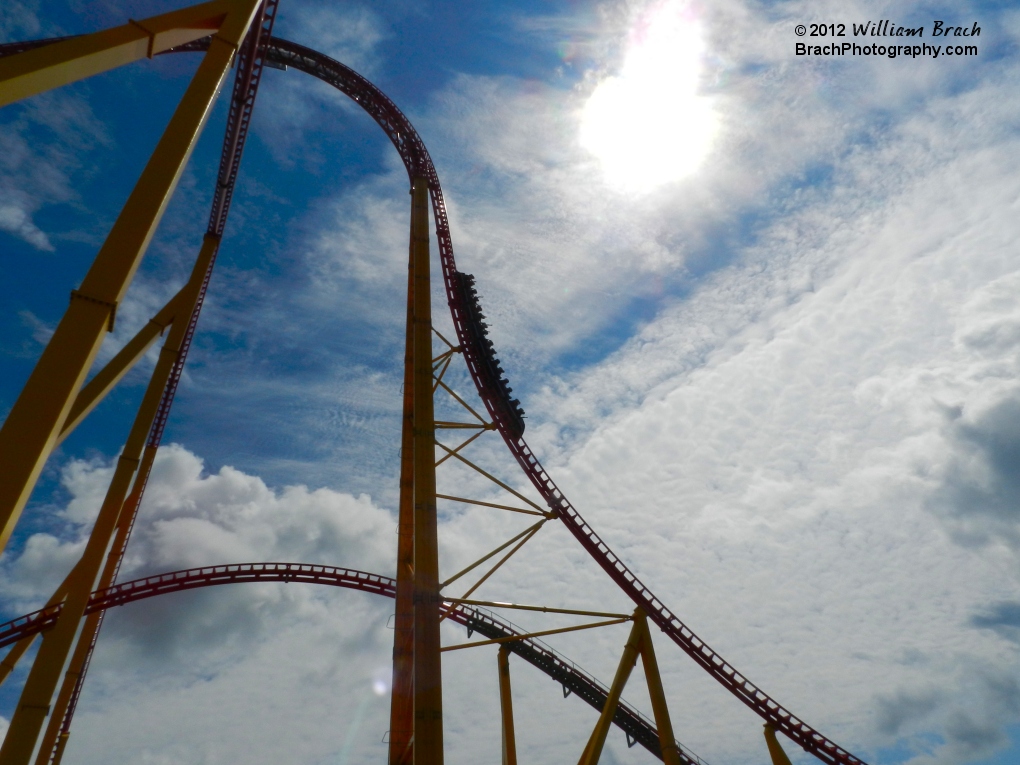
34	704
670	753
543	633
37	417
593	750
401	751
445	364
461	401
452	347
506	707
543	609
492	478
54	741
775	750
111	374
480	561
465	443
505	558
428	690
13	656
52	66
493	504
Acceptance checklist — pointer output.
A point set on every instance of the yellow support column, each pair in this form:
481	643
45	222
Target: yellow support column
670	754
428	690
506	708
775	750
34	704
37	417
54	740
593	750
402	700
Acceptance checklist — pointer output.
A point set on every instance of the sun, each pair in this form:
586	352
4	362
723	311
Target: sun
648	125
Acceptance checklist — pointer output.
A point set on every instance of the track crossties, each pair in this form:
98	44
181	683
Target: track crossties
494	387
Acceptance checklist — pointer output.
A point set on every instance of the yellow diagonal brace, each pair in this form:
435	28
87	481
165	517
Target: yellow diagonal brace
670	753
504	559
543	633
543	609
492	478
52	66
453	348
493	504
37	417
37	695
10	661
775	750
119	365
460	401
593	750
480	561
465	443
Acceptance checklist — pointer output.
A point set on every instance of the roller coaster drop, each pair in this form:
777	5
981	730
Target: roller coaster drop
55	399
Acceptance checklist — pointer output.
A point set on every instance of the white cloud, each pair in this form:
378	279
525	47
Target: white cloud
807	450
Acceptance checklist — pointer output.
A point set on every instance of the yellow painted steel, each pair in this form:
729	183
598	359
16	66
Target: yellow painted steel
53	740
667	742
428	689
34	704
490	554
401	751
639	643
543	633
593	750
111	374
530	533
493	478
52	66
452	498
506	708
542	609
775	750
38	416
462	402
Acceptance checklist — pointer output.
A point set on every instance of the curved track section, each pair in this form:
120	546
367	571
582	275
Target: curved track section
415	156
639	729
418	163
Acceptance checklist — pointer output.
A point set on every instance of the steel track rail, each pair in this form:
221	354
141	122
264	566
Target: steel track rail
419	164
638	728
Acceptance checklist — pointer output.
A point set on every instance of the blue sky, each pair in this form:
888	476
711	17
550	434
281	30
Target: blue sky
772	359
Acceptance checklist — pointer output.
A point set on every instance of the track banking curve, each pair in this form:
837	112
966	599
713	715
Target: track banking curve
418	163
638	728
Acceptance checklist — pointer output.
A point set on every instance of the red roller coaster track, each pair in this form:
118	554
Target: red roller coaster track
574	679
419	164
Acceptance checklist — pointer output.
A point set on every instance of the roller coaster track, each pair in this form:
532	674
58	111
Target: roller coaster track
638	728
283	54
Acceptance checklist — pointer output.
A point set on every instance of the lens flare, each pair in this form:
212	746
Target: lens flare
648	126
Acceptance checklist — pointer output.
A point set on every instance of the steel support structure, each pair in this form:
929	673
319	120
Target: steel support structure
775	749
506	707
401	751
54	400
639	643
428	681
38	418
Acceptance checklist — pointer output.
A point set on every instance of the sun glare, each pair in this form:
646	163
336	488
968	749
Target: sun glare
649	126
